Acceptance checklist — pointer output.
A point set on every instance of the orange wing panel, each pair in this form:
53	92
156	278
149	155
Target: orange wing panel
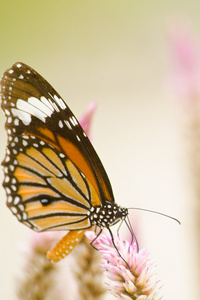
25	176
65	187
53	156
35	154
47	133
78	159
77	178
44	223
27	192
25	161
36	208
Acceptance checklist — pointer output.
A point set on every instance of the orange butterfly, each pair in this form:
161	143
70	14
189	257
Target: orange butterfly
54	180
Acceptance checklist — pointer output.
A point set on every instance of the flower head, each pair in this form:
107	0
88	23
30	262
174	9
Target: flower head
131	276
38	277
87	272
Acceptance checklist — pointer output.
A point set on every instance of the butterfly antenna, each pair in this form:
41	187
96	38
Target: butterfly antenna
156	212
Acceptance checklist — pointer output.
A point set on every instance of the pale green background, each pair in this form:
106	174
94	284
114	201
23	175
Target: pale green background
116	54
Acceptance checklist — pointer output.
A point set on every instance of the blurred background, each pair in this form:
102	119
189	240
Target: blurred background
128	57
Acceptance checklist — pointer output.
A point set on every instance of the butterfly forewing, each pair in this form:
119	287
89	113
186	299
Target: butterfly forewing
53	175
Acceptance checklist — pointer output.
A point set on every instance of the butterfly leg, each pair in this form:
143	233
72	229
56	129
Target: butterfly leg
65	245
113	241
98	234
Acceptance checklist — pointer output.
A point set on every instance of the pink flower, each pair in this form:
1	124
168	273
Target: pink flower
86	118
185	60
131	276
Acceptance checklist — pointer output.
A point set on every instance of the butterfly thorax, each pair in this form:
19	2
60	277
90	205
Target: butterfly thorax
108	214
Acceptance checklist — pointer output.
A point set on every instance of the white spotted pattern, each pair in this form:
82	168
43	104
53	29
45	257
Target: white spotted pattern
60	124
60	102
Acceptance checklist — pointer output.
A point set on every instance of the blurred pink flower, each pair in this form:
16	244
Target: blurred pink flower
37	278
86	119
139	280
39	242
185	60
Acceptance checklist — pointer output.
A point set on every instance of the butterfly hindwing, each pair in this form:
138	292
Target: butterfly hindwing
41	189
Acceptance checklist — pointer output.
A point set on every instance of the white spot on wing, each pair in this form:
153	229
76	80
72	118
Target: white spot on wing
60	124
9	199
9	119
78	138
7	113
54	106
16	122
25	143
72	121
75	121
7	159
60	102
21	207
24	216
13	209
13	187
25	110
40	105
46	102
7	179
8	191
22	115
68	124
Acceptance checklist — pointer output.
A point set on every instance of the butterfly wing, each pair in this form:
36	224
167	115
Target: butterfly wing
53	175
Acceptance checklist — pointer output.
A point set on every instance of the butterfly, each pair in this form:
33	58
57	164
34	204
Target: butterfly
53	178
